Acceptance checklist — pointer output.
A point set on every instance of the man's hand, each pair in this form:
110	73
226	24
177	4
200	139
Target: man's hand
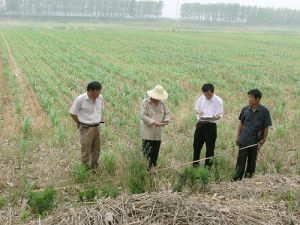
216	117
261	142
201	114
156	124
164	123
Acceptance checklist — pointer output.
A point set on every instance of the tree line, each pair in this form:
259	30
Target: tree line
82	8
235	13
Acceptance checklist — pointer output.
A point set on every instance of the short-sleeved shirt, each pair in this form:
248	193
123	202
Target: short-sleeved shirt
210	107
87	111
254	123
151	113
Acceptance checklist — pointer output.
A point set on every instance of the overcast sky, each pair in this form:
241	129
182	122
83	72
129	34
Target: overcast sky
171	9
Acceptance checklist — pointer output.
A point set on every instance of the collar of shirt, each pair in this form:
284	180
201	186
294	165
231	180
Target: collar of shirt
259	108
88	98
212	99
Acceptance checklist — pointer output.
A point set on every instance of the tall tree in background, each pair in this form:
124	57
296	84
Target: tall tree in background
2	7
235	13
83	8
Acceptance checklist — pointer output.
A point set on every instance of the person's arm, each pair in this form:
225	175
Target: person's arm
239	133
75	118
144	114
167	117
197	108
241	125
220	111
102	109
267	122
264	136
74	110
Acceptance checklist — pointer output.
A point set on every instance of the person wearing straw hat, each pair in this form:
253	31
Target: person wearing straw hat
155	115
255	119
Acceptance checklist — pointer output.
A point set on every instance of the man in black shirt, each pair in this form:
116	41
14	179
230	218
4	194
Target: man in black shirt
255	120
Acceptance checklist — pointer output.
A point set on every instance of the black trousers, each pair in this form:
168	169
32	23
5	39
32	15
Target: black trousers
205	133
151	151
249	156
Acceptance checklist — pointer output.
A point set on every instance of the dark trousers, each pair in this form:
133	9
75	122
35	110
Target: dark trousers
205	133
248	155
151	151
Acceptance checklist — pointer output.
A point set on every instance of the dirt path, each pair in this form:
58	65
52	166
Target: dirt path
10	124
30	107
9	131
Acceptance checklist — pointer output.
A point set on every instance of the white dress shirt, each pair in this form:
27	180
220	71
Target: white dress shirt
210	107
87	111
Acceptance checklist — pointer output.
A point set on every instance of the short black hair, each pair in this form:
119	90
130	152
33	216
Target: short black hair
255	93
94	85
208	87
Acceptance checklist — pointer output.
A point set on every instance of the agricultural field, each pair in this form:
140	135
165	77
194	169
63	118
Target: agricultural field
42	70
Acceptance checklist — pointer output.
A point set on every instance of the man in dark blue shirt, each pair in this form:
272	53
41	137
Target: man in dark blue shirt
255	120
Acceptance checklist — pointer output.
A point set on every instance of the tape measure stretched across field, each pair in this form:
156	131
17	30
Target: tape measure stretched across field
200	160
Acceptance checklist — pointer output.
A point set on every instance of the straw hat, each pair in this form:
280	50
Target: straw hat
158	93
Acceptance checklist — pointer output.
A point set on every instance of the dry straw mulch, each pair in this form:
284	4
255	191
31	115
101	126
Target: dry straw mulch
168	208
252	201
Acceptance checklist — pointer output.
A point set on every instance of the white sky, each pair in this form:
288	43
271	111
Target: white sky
171	9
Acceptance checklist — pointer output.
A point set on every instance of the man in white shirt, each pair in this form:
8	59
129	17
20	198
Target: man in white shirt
209	110
86	112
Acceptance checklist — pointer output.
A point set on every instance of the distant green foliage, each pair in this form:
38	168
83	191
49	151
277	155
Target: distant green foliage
106	9
239	14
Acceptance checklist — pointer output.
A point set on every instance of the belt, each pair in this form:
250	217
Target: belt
202	121
90	125
206	122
